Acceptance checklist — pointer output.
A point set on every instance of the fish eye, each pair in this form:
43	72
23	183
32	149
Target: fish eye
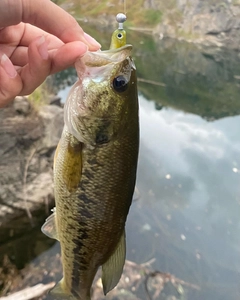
120	84
119	35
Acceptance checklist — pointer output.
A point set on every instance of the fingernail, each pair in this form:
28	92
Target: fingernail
8	66
91	40
84	48
42	47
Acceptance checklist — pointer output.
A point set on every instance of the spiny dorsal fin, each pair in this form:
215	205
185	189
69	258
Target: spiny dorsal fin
113	267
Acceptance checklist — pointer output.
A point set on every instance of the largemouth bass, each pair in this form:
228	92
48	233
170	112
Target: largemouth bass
95	171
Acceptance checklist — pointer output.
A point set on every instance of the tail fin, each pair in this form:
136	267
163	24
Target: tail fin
59	292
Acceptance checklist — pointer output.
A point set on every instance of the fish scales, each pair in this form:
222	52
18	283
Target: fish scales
95	207
95	171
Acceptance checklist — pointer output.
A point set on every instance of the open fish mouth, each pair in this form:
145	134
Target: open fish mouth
102	58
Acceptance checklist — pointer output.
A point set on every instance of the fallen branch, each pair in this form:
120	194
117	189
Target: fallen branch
30	292
152	82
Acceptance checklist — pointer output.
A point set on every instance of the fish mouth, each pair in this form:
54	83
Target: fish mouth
102	58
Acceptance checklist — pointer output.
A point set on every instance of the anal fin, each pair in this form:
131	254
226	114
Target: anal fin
49	228
113	267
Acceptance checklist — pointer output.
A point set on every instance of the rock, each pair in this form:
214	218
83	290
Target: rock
55	100
52	117
22	105
28	139
213	22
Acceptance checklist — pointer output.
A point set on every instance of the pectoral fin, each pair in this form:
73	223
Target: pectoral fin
112	269
49	228
72	165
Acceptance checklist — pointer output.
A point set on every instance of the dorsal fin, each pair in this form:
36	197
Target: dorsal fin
113	267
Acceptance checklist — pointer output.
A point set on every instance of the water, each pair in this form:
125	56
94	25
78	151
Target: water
188	177
188	214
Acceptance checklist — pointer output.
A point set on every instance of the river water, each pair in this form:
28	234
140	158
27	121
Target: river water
188	213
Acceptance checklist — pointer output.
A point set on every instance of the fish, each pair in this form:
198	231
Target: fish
95	167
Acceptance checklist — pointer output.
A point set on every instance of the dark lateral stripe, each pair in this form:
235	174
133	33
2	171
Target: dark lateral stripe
85	199
83	234
88	174
75	276
78	247
83	181
86	213
75	294
82	223
78	265
92	161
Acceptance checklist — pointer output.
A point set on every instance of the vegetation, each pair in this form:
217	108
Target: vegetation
236	2
178	75
146	16
40	96
152	16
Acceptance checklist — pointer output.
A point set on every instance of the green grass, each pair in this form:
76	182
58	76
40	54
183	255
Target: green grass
152	16
39	97
135	11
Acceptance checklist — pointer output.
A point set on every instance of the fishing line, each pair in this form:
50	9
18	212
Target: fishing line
125	7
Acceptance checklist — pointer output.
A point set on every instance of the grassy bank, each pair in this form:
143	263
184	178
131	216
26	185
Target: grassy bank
140	13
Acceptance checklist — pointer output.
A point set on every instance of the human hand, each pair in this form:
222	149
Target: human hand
37	38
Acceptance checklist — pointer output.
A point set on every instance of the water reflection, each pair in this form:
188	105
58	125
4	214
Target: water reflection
188	214
189	211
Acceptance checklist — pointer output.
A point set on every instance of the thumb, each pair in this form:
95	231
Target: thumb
10	81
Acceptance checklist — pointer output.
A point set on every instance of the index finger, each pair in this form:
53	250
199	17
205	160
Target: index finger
47	16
